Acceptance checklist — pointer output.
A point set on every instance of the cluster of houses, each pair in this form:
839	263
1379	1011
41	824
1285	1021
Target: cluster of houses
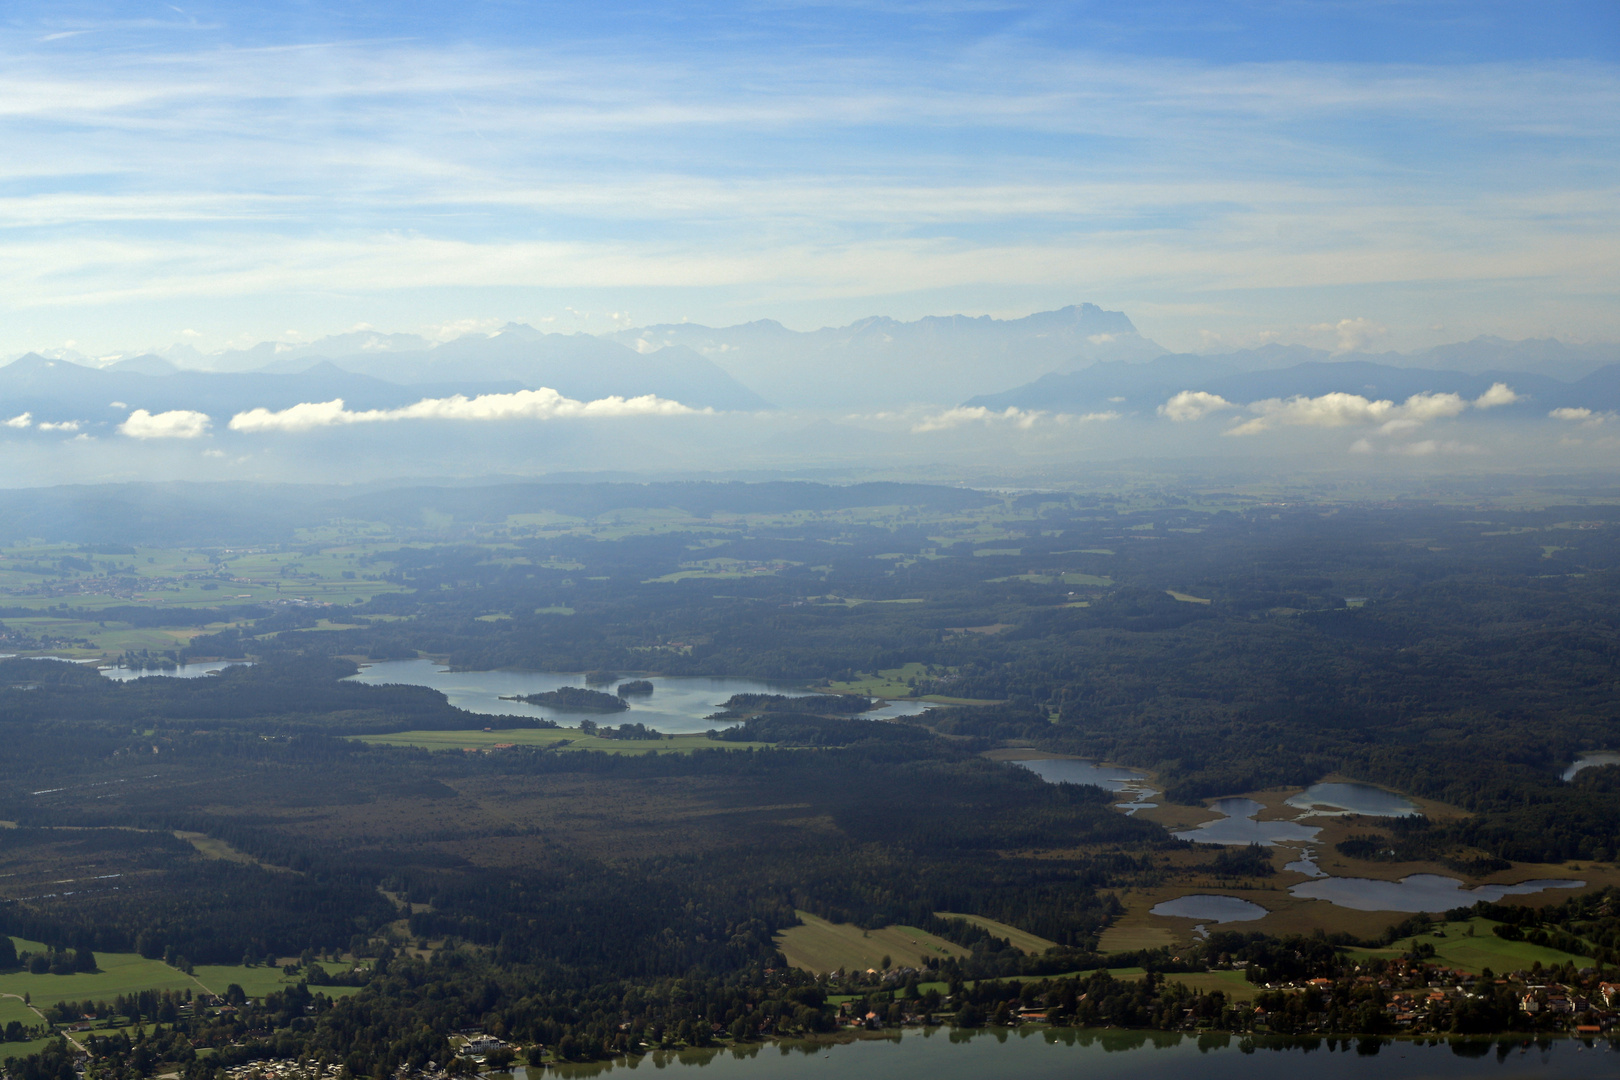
282	1070
472	1045
1418	994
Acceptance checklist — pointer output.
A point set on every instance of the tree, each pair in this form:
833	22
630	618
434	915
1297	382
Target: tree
8	952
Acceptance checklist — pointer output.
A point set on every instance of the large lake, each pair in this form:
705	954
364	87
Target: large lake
1063	1054
677	705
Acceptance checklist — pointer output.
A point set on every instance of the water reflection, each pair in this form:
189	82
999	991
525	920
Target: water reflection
1351	798
1113	778
1418	892
678	705
1210	908
1306	864
178	671
1238	825
1053	1053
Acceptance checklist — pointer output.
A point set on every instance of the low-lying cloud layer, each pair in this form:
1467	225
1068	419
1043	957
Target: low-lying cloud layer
541	404
1333	410
175	424
1023	419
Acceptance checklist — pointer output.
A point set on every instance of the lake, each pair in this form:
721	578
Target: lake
1351	798
1108	777
180	671
1210	908
1419	892
678	704
1062	1054
1238	826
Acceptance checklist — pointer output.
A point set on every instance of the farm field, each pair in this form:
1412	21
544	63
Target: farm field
1020	939
126	973
9	1050
1484	950
1230	983
121	973
820	946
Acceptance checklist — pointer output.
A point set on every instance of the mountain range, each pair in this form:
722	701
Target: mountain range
1254	375
1077	359
884	363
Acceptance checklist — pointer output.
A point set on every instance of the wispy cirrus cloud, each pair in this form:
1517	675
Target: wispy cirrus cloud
1165	178
541	404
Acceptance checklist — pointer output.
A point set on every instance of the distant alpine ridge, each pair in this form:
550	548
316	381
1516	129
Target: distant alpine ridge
1290	371
1077	359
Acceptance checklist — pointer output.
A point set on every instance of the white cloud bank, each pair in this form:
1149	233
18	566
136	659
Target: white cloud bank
174	424
1193	405
1024	419
542	404
1333	410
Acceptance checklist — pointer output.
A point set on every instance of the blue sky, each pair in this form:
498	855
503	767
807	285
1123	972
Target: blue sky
1377	174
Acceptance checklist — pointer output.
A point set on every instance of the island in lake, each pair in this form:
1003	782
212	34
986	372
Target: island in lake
574	699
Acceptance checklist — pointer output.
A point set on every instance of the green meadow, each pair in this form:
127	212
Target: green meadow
1454	948
128	973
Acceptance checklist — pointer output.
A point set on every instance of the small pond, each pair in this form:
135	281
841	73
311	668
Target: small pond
180	671
1419	892
1592	759
1351	798
1238	826
1306	864
678	705
1208	907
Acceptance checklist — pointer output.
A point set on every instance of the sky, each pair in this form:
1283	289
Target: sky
1228	174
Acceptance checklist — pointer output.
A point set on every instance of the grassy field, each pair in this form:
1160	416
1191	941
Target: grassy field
1231	983
1484	950
23	1049
121	973
1133	938
891	683
259	981
1020	939
488	740
125	973
820	946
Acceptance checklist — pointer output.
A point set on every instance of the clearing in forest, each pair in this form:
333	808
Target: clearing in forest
820	946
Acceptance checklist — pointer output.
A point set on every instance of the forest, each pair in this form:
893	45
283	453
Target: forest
1464	654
